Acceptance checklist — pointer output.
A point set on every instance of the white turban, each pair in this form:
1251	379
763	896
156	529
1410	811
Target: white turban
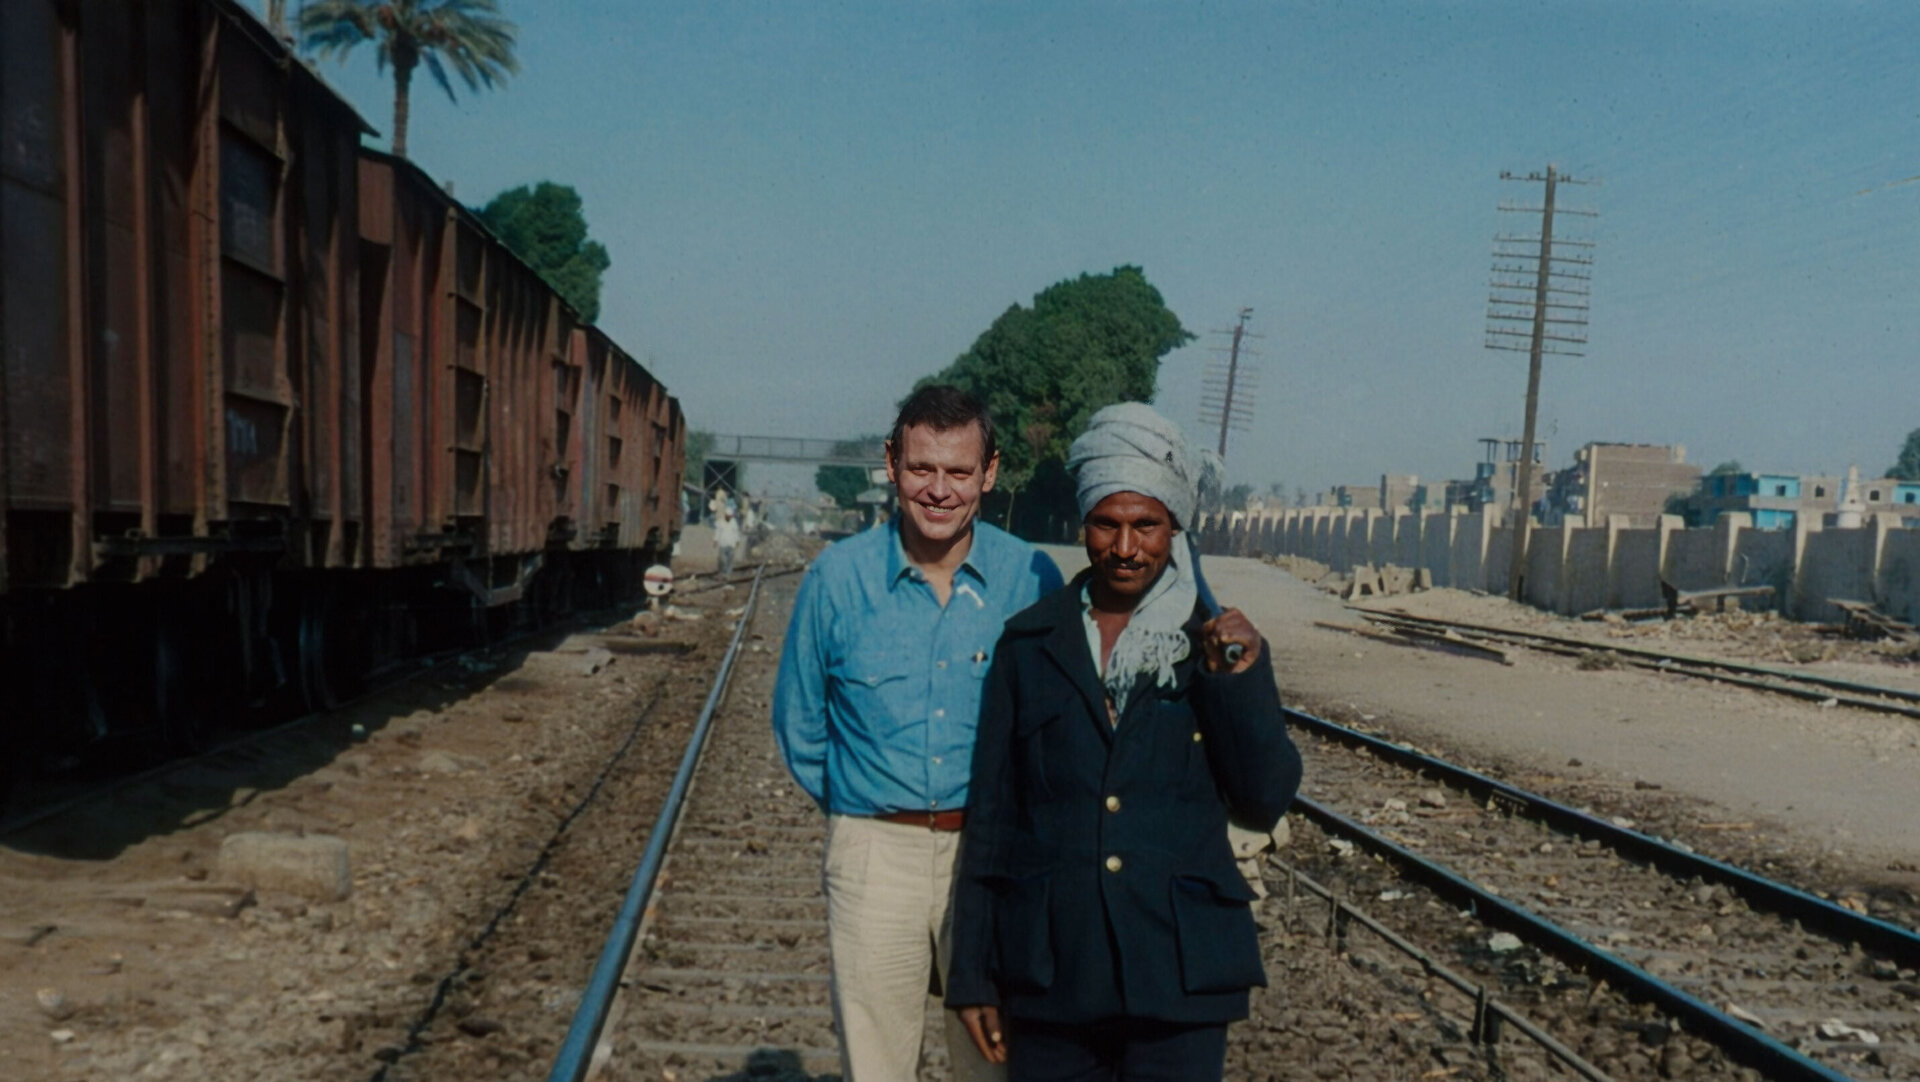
1127	447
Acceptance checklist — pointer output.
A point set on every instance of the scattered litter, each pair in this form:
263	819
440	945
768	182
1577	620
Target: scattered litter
1433	798
1341	847
62	1036
1393	895
1503	942
54	1004
1834	1029
1741	1014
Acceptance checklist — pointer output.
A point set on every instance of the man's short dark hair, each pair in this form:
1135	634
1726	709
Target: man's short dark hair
943	408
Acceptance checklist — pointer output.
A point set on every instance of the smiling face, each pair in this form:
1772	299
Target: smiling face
939	476
1129	541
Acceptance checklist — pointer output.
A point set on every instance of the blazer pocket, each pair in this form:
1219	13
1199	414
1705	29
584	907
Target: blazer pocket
1219	946
1023	934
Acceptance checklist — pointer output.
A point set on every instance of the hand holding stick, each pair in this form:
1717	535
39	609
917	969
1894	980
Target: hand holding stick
1229	636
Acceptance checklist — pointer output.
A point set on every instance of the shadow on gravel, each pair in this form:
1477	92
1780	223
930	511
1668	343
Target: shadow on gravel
191	793
773	1065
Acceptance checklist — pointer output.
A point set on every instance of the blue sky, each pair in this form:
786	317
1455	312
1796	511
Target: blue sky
809	206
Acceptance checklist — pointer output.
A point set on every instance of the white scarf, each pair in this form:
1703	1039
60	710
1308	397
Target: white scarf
1155	638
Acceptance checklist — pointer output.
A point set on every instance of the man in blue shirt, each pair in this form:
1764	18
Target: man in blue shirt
877	702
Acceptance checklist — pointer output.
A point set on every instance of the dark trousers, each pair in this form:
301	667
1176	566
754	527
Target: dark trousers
1117	1050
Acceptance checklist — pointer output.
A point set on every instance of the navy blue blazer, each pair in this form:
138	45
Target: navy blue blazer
1096	880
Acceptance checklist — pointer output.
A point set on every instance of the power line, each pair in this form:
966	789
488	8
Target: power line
1554	304
1226	397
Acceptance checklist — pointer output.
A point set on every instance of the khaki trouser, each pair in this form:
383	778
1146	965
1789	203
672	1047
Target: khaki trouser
888	886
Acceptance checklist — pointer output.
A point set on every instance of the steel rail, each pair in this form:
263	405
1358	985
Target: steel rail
590	1018
1489	1013
1742	1042
1657	656
1900	944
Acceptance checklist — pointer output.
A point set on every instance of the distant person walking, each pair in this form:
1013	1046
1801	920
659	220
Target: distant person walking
726	538
875	709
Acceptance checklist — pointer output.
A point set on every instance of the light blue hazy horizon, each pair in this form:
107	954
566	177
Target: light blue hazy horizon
811	206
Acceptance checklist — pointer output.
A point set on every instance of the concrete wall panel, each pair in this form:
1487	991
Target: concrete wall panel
1900	576
1546	558
1406	539
1588	577
1764	558
1379	538
1493	567
1836	564
1436	546
1636	569
1695	560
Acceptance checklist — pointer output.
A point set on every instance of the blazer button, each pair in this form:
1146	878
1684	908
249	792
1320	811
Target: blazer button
1113	803
1113	864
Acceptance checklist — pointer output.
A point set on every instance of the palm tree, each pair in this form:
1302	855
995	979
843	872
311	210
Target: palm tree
467	35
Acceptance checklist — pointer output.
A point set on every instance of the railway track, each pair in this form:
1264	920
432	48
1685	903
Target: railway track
1747	974
1427	922
729	977
1807	686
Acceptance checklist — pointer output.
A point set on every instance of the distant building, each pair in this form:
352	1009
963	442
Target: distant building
1497	474
1631	479
1774	500
1778	500
1357	497
1402	492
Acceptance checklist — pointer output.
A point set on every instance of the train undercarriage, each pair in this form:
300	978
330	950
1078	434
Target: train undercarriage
122	673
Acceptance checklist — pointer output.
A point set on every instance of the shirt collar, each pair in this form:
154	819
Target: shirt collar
899	567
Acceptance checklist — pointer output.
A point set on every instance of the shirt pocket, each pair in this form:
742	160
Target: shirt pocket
874	686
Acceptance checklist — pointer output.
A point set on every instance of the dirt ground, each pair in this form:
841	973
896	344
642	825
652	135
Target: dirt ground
1769	776
128	949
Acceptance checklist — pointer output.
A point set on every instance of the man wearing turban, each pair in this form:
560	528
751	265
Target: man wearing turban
1101	929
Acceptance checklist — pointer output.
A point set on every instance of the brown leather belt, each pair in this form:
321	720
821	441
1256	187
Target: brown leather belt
948	821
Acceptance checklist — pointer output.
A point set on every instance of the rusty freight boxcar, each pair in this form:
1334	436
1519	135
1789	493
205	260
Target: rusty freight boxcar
177	247
259	386
527	457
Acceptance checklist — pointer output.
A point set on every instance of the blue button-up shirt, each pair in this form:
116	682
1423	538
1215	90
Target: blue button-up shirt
879	689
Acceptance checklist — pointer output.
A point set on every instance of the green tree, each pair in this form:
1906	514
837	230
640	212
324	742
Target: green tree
1730	466
1043	370
467	35
546	227
1907	466
845	483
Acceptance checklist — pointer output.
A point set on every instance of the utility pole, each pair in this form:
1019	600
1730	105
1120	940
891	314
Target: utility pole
1228	397
1557	313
